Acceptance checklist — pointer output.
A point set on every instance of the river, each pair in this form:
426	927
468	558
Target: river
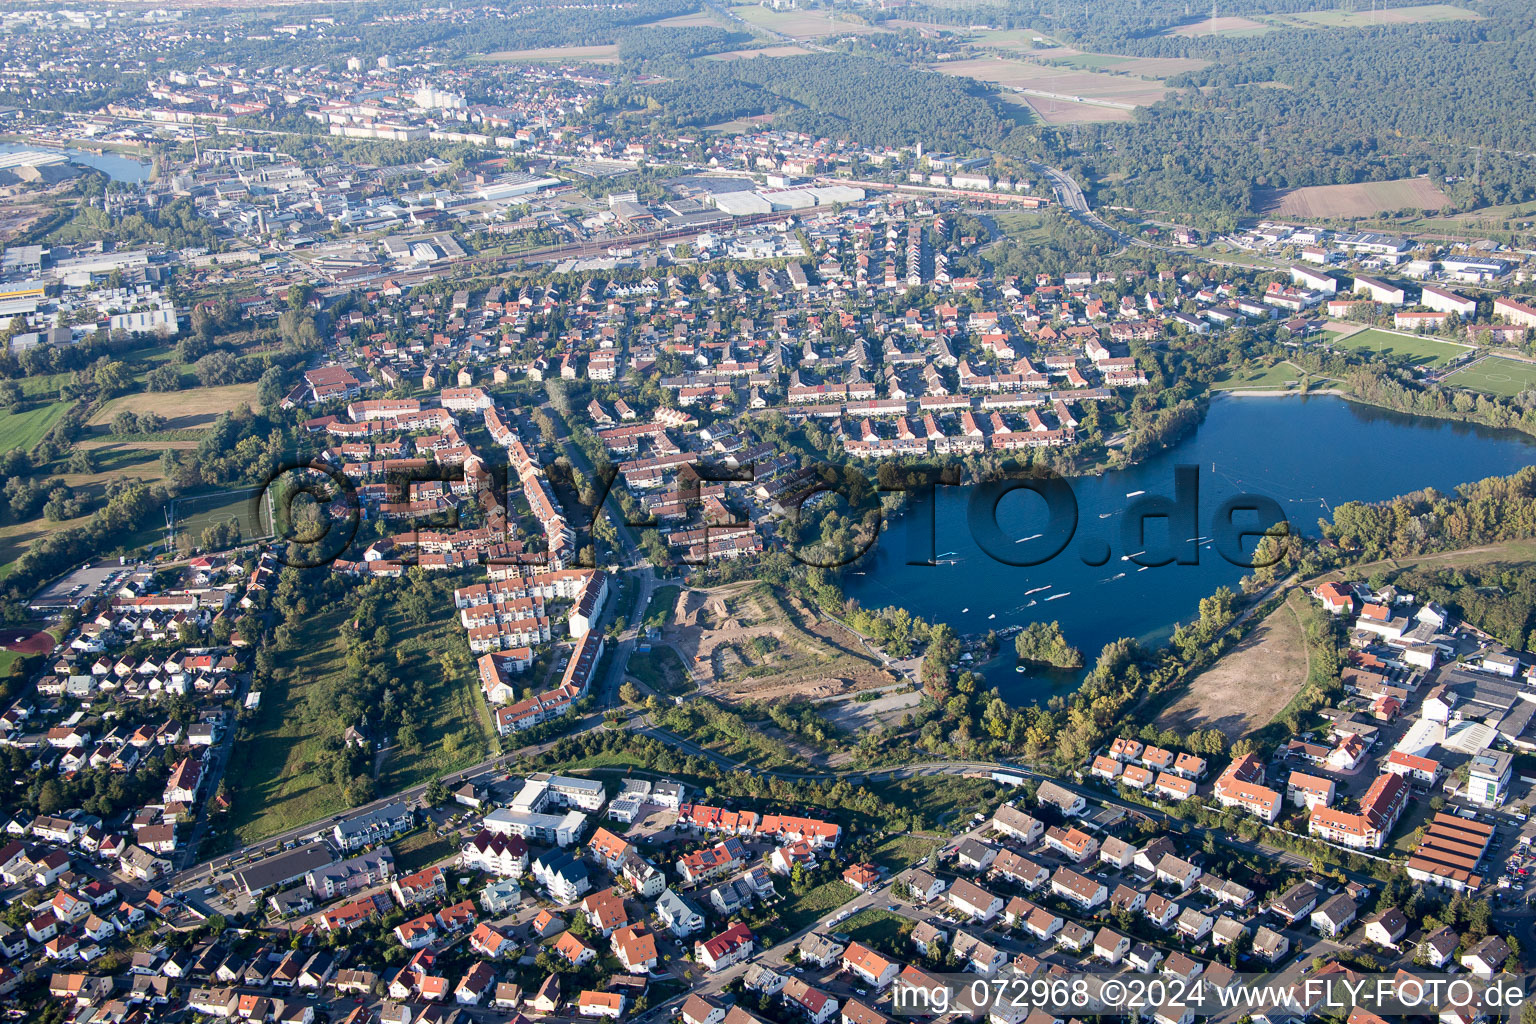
1307	454
113	165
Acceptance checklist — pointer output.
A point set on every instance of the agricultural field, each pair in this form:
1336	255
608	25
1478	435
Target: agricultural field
602	53
25	428
1495	375
1054	110
1083	85
1417	349
1147	67
192	409
1250	684
1362	200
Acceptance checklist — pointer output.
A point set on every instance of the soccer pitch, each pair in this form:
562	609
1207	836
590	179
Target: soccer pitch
1495	375
1418	350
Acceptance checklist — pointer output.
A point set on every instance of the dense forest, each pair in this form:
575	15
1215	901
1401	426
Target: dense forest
870	101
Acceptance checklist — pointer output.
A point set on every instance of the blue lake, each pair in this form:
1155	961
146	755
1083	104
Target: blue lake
1307	454
113	165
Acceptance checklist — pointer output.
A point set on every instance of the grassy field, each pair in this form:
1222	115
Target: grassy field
278	785
1250	684
801	911
662	670
663	601
420	849
942	800
1148	67
1495	375
1415	15
1229	26
44	385
276	766
1020	227
1021	74
1282	376
799	24
878	929
24	429
785	50
183	410
1515	551
898	852
602	53
1362	200
1418	350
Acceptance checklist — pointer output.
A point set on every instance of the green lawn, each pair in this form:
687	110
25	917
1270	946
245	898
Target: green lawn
663	600
1495	375
44	385
1418	350
1279	377
880	930
24	429
1022	227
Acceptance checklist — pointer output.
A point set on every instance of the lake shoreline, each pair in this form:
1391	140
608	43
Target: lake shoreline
1304	456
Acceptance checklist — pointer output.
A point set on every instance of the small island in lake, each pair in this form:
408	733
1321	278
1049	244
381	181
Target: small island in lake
1043	643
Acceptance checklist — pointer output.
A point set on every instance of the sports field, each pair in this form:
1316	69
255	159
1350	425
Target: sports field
1418	350
1495	375
195	514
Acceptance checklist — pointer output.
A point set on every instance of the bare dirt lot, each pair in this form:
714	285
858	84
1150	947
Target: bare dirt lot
746	641
1357	200
1250	685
